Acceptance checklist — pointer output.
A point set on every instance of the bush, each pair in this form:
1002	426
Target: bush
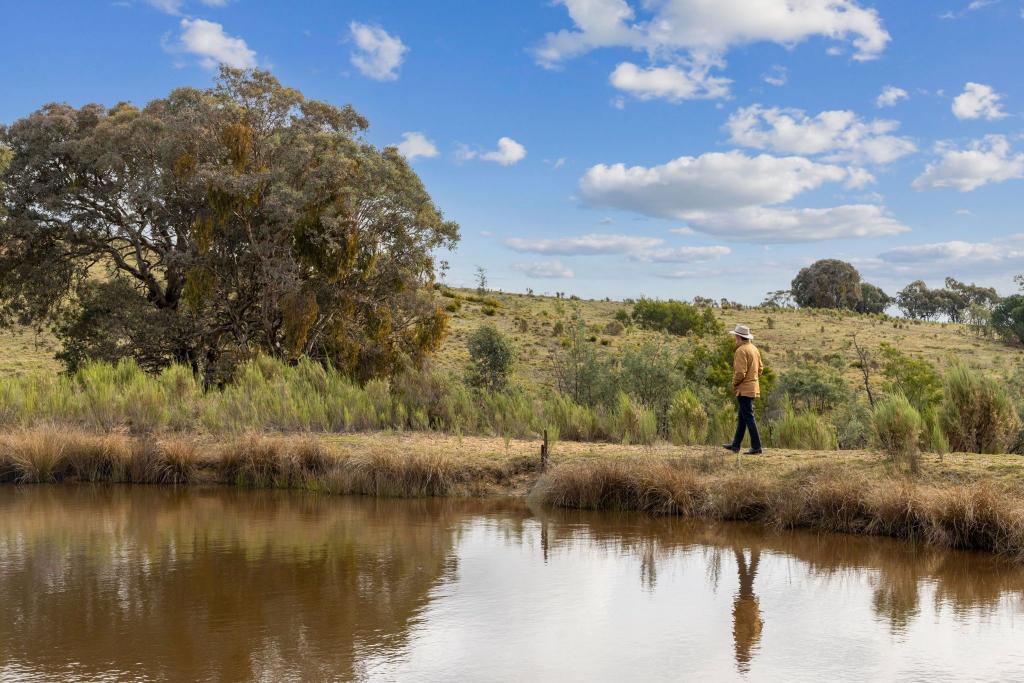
633	422
491	359
897	427
977	415
687	419
675	317
853	423
814	386
614	328
804	430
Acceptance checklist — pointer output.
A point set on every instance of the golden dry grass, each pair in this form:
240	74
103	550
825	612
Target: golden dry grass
960	501
794	337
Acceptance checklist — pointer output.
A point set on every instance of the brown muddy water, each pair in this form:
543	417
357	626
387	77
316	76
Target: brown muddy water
111	584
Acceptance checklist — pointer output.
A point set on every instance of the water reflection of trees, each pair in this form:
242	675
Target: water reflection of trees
212	586
899	572
232	585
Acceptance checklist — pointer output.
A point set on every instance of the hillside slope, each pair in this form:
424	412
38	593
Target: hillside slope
786	337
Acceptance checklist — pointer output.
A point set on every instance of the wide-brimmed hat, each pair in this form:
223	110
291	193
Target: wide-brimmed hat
742	331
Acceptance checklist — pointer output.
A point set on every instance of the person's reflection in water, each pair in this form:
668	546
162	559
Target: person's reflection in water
746	613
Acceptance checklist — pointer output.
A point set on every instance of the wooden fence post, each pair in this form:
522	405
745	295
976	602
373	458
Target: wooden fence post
544	452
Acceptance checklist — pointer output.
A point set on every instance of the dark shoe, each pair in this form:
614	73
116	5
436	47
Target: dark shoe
730	447
753	452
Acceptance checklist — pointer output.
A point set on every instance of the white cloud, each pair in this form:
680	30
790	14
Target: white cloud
984	161
509	152
766	225
544	269
732	195
207	40
415	145
585	245
978	101
697	34
841	134
174	6
956	252
890	95
702	27
669	82
777	76
685	254
378	54
712	181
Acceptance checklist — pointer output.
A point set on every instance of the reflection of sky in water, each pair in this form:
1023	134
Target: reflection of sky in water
145	584
505	614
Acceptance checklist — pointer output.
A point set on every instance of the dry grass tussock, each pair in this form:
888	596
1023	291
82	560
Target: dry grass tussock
958	502
253	460
974	515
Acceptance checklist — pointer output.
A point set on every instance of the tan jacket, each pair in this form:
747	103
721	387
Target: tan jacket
747	370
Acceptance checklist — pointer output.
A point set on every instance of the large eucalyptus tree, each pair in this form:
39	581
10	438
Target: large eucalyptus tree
212	224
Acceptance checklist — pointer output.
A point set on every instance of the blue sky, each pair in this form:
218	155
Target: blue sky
619	148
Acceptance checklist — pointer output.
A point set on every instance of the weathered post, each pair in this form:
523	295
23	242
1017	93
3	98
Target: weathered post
544	452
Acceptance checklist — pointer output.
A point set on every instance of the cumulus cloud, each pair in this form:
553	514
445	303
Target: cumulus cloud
378	54
509	152
768	224
734	196
699	27
671	83
712	181
684	254
544	269
989	160
777	76
978	101
585	245
955	251
699	33
415	145
208	41
890	95
840	134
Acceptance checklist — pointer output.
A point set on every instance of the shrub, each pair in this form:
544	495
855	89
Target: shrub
634	422
853	423
614	328
491	359
687	419
804	430
897	427
675	317
977	415
814	386
915	378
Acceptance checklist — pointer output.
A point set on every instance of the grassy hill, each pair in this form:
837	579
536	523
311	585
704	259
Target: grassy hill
786	337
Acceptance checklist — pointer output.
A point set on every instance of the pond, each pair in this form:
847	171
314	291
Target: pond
122	583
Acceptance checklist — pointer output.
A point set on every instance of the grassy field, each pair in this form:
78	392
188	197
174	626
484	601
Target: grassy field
786	337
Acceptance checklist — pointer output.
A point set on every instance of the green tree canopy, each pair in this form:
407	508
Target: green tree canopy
233	219
492	358
827	283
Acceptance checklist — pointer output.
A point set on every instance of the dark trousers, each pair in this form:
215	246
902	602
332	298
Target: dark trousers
745	421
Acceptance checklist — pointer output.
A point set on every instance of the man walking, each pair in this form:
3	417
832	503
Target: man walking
746	384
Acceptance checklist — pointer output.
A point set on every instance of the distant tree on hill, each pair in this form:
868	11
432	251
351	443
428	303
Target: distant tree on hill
828	283
226	221
1008	317
873	299
917	301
